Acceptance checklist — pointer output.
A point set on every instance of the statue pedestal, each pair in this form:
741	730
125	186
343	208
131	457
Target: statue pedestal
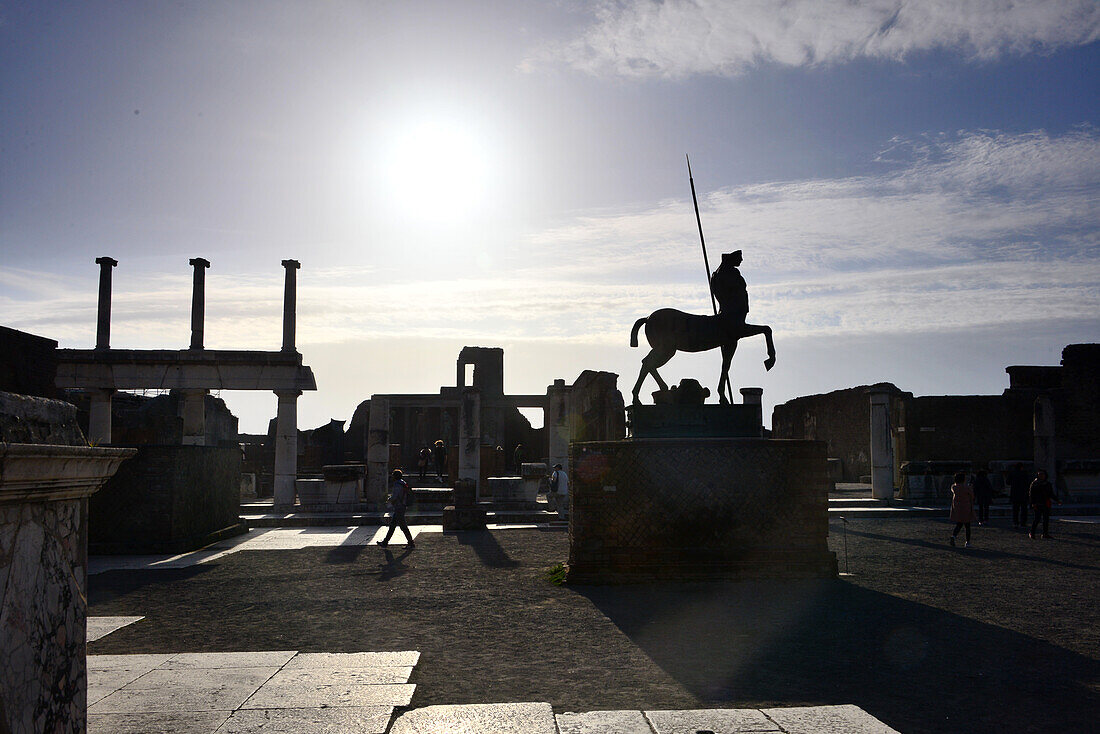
664	509
695	421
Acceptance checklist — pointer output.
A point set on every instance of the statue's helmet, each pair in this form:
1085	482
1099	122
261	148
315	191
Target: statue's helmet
734	258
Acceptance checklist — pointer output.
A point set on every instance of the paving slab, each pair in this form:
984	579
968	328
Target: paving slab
208	660
342	675
185	690
204	722
603	722
294	695
484	718
827	720
143	662
719	721
350	720
102	626
403	658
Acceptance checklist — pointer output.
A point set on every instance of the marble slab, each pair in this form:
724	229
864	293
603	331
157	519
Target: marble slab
719	721
846	719
187	722
488	718
603	722
348	720
404	658
99	627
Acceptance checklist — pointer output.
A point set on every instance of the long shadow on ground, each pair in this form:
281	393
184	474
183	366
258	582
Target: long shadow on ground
917	668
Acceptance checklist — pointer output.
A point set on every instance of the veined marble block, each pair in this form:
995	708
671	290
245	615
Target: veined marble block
43	575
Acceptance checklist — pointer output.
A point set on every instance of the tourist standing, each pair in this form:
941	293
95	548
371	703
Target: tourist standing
983	495
559	490
439	453
962	507
1018	482
519	455
423	461
1041	495
399	500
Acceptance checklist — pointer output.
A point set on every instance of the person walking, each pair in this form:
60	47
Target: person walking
962	507
983	495
1041	495
559	489
399	500
1018	482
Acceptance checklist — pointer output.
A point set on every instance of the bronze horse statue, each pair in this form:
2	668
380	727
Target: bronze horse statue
669	331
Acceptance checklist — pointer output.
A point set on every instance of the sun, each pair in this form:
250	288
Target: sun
437	171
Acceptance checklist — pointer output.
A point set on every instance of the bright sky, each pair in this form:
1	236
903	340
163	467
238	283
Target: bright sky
915	185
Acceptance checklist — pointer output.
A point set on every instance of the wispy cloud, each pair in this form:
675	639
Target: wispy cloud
677	38
969	230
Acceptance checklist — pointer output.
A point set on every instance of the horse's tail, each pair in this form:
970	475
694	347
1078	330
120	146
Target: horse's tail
634	331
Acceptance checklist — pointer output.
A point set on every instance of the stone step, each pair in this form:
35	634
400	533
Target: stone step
539	718
413	517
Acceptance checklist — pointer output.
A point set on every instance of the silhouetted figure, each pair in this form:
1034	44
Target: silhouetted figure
962	507
423	460
669	331
1018	483
983	495
398	501
1041	495
519	455
559	491
439	454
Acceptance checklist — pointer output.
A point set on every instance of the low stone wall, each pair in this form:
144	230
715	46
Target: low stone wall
687	509
168	499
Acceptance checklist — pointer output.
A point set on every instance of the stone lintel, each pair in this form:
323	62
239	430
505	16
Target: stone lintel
132	370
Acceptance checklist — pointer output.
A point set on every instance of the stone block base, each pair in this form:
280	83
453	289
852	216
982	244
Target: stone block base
698	509
456	519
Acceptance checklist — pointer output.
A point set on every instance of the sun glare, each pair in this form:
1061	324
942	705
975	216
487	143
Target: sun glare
437	171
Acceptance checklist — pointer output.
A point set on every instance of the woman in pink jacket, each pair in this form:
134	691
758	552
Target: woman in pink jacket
962	507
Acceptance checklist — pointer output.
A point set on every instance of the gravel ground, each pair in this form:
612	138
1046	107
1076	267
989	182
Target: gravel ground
1002	636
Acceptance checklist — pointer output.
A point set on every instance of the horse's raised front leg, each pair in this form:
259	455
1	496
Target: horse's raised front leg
753	330
724	378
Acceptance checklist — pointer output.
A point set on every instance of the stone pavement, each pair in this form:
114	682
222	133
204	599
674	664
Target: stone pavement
357	693
244	692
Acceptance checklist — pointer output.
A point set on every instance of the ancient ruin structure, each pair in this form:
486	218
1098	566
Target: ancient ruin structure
193	372
1046	418
475	416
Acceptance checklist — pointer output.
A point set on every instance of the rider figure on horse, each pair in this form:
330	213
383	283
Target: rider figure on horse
730	289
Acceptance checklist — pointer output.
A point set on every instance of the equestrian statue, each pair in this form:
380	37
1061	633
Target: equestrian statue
669	331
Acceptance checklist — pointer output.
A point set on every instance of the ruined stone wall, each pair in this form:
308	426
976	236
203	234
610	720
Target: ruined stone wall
28	363
168	499
974	428
599	413
1077	423
842	419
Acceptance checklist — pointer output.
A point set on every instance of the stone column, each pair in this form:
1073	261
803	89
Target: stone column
378	450
286	447
192	408
103	322
556	419
1043	428
882	448
290	303
99	417
752	397
469	436
198	300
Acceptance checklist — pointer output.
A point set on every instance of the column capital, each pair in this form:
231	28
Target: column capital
108	261
284	394
291	264
199	262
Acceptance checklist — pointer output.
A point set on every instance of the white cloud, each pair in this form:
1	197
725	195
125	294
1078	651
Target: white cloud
963	231
677	38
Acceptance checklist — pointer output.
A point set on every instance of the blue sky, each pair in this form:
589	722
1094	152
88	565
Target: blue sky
914	185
